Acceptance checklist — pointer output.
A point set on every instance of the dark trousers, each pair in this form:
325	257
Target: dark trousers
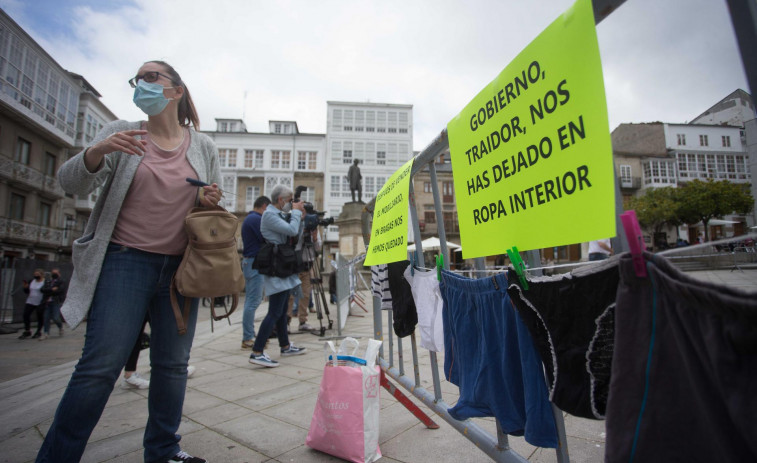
131	362
40	311
275	318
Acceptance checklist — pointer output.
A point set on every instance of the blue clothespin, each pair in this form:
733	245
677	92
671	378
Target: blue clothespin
439	266
519	266
412	265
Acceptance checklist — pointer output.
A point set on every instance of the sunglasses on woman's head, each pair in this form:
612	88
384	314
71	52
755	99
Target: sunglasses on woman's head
149	76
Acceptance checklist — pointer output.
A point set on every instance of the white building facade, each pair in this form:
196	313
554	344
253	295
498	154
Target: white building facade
380	135
252	163
702	152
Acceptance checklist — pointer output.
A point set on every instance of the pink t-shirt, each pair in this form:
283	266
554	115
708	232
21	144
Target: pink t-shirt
152	214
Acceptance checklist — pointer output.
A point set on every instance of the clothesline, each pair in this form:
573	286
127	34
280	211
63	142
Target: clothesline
499	269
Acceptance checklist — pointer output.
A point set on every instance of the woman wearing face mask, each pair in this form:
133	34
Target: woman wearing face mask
277	226
34	304
123	264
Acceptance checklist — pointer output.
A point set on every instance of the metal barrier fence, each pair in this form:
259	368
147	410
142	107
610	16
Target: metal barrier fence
497	447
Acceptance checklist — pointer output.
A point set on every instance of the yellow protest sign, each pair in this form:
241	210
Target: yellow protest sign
531	153
389	231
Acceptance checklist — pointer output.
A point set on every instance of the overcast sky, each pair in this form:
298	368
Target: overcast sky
663	60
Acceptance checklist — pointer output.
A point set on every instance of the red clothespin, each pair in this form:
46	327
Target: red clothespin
519	266
635	241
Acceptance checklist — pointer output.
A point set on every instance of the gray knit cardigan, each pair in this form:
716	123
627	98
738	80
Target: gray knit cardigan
115	175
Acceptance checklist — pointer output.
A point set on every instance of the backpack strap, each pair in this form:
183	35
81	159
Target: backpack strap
181	318
227	314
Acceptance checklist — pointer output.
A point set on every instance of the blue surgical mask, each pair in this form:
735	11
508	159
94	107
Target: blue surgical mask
148	96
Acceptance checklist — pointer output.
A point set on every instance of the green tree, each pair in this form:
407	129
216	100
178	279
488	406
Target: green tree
656	208
703	201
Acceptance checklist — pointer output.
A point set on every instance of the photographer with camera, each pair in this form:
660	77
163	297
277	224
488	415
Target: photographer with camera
280	221
307	248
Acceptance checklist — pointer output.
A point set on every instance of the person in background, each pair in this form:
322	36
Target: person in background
34	304
302	303
132	379
123	264
600	249
253	281
55	293
281	220
332	286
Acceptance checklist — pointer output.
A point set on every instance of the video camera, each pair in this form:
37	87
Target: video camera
312	217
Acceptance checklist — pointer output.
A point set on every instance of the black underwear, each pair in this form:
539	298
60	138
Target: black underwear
571	319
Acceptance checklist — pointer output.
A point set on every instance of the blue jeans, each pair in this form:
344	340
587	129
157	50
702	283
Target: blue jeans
132	283
253	290
275	318
52	312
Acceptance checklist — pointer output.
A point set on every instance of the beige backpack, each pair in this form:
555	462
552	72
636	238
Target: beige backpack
210	266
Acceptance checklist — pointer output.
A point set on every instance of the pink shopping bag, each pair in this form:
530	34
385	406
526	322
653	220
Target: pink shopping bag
345	421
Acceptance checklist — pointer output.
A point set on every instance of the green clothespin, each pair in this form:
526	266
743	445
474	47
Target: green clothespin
520	267
439	266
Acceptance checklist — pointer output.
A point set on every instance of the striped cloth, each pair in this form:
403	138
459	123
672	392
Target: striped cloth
380	285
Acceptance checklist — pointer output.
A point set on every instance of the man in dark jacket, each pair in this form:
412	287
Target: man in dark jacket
252	239
54	293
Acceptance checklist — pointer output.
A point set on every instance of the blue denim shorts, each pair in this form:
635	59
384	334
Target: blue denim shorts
489	354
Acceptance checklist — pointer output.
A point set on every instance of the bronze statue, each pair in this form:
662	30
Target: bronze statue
355	179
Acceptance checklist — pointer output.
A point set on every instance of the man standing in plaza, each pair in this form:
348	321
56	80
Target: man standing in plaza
252	240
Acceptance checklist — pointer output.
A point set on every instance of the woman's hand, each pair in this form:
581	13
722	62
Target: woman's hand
125	141
210	195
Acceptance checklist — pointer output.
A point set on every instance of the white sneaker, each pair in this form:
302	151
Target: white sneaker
190	371
135	382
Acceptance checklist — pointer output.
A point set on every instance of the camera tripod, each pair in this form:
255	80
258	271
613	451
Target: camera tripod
316	284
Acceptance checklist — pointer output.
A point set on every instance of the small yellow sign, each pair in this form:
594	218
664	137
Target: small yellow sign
389	231
531	153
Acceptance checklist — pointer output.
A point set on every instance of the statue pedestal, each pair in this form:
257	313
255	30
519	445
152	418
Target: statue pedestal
349	222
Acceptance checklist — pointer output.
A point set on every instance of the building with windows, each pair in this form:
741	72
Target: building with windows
428	220
47	114
38	105
737	110
424	200
252	163
654	155
733	110
380	135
